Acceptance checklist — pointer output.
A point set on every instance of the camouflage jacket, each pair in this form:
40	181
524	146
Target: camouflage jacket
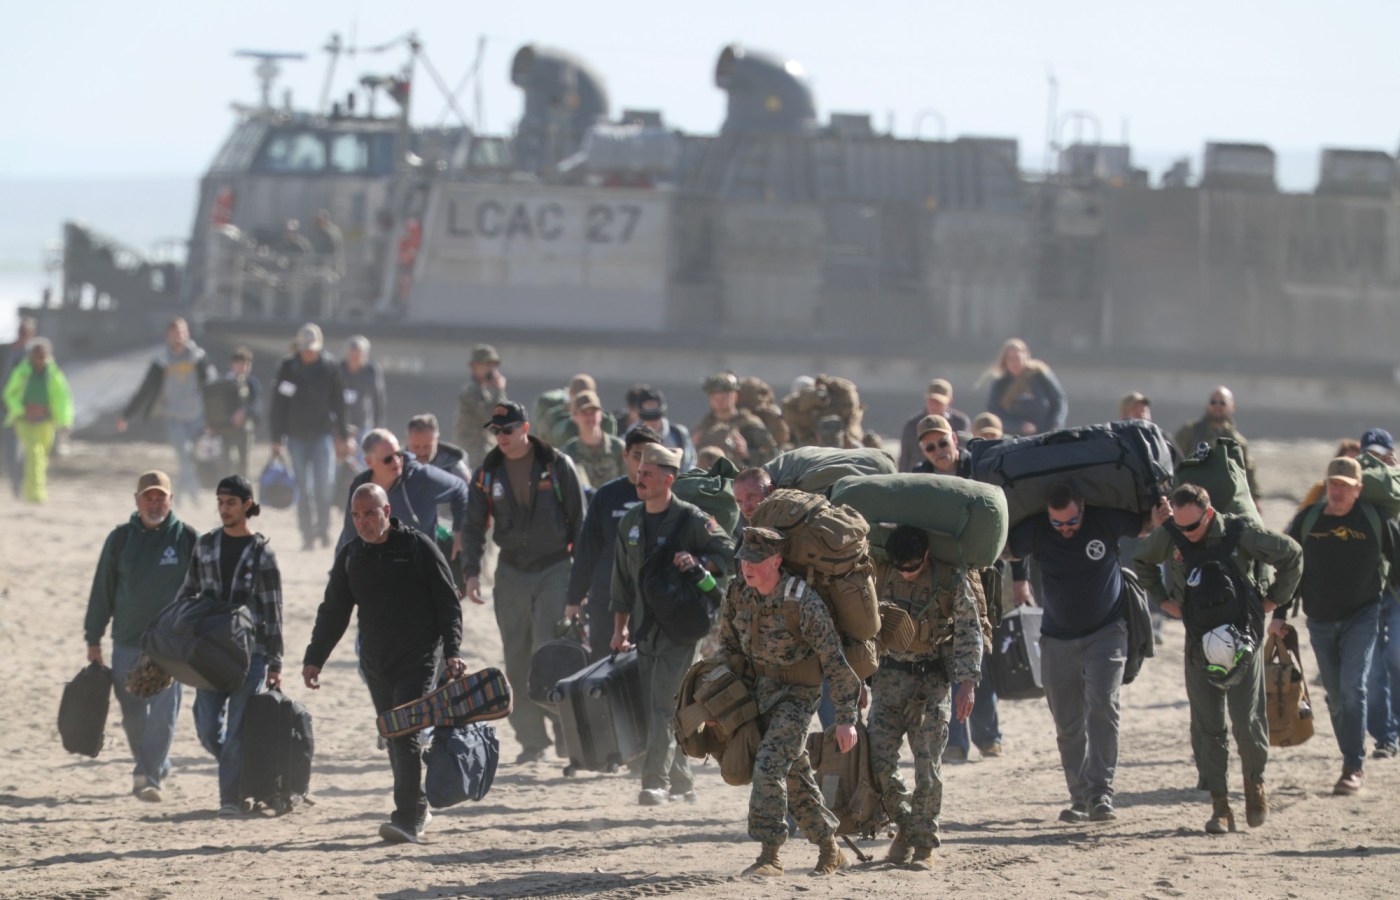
753	626
761	446
473	410
601	464
958	639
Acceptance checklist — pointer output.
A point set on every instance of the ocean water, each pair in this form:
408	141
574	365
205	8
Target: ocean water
146	214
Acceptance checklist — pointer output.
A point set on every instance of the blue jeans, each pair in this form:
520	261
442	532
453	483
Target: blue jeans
149	722
1343	651
218	721
1383	689
313	464
985	725
182	433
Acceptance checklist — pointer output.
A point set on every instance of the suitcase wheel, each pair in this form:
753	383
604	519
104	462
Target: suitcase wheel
569	771
613	768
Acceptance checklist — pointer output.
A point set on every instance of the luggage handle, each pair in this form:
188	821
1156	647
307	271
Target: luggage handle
596	692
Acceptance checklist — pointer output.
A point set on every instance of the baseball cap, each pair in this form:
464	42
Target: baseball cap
940	387
309	337
1344	469
651	404
1378	440
582	382
934	423
760	544
507	412
720	382
660	455
586	400
987	421
238	486
485	353
155	479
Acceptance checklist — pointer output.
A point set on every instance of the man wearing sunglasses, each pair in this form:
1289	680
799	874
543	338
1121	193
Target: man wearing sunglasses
939	445
938	401
531	494
1202	529
1218	421
1083	635
414	490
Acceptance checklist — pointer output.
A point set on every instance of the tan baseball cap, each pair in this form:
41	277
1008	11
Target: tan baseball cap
934	423
582	382
940	387
586	400
1344	469
987	421
154	480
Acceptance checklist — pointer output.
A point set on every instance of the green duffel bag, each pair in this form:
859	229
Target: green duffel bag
1380	484
816	469
966	520
1222	473
712	491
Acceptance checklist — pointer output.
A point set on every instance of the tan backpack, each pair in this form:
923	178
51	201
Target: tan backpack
828	547
1286	689
910	633
847	782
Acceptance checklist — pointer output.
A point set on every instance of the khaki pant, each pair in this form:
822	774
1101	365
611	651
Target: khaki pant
528	605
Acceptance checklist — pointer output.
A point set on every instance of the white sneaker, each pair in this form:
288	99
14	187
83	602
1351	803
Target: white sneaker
150	793
427	820
654	797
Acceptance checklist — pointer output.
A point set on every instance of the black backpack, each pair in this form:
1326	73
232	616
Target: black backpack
673	600
1217	592
82	714
278	745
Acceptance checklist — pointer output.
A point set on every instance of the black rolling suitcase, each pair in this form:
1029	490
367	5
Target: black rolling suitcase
277	750
82	713
1016	654
553	661
600	709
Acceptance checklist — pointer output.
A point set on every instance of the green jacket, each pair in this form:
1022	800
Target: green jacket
130	588
1202	431
60	398
701	536
1257	543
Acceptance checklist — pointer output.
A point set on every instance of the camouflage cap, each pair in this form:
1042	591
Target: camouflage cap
934	423
721	382
485	353
760	544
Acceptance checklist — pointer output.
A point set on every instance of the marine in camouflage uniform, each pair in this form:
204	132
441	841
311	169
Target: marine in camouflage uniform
726	419
912	690
789	665
602	462
486	388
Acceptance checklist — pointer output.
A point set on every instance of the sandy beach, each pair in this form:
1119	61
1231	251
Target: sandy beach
69	828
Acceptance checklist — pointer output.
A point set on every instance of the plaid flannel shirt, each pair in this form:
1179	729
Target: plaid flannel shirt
260	591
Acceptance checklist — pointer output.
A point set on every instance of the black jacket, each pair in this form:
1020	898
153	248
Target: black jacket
407	605
530	540
308	399
597	543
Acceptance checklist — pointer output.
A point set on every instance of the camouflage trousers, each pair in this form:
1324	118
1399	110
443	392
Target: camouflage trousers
917	705
782	773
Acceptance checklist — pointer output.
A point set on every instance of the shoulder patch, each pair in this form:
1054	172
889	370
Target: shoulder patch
712	526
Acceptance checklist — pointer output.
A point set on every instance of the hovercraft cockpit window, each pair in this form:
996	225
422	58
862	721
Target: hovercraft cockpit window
308	151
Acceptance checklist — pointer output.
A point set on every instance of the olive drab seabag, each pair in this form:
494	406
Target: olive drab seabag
1286	689
816	469
1124	465
1380	484
827	547
712	491
966	521
1220	469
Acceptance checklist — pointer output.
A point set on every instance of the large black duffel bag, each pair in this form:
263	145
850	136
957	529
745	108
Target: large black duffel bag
82	713
1122	465
278	746
203	642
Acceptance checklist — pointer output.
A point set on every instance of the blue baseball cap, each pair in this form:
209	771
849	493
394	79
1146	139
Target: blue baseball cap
1378	439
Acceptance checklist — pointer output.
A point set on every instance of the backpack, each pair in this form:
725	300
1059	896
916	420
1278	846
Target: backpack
847	782
712	491
711	692
1286	688
82	713
931	627
1380	484
1372	518
1221	471
828	547
1217	592
674	601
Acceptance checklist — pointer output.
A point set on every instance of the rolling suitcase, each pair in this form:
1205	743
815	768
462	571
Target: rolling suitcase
277	748
553	661
82	713
600	710
1016	654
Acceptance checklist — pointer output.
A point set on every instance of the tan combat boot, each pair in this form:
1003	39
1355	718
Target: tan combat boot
900	852
767	864
1256	803
923	859
1221	820
830	859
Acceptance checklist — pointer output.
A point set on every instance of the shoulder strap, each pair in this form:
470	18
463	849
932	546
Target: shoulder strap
792	608
1234	530
1310	519
119	536
1374	520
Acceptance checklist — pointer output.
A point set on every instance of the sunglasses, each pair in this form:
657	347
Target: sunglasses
507	430
931	446
910	568
1067	523
1194	525
390	459
1215	401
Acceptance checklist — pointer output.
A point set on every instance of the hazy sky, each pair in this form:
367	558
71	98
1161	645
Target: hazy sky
143	88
